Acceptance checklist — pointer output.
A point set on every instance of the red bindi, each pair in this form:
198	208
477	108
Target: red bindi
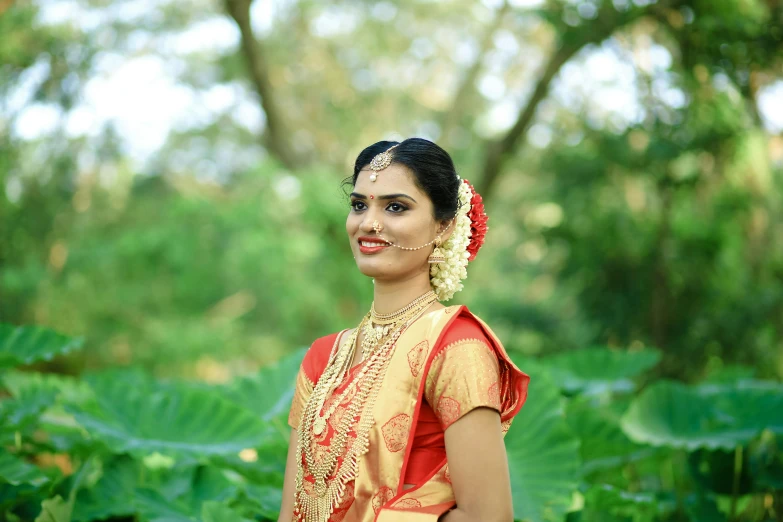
372	197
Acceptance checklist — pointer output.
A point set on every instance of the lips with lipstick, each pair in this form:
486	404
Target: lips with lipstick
371	245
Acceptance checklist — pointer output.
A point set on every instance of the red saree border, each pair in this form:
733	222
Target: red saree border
521	389
416	411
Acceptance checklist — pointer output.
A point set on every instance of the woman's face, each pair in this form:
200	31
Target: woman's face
406	214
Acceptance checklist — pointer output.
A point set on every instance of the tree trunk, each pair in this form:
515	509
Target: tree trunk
277	139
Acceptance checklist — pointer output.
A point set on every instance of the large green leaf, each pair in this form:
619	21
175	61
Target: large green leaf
112	494
268	469
604	502
144	418
673	414
55	510
71	389
27	405
157	508
27	344
266	500
209	484
268	392
603	443
595	370
214	511
543	454
15	471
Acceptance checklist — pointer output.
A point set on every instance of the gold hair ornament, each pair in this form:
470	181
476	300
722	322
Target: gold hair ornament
380	162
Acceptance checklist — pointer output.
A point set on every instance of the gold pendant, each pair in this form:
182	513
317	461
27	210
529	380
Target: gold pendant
319	425
320	488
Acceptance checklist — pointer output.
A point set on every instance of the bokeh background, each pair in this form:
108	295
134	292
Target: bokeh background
170	194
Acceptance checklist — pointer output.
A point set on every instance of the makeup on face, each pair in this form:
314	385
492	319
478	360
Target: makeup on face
406	215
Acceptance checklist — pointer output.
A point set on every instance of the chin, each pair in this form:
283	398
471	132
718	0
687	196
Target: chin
374	268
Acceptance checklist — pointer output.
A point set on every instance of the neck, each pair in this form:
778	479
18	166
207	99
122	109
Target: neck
390	296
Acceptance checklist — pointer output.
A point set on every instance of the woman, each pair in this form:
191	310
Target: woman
402	418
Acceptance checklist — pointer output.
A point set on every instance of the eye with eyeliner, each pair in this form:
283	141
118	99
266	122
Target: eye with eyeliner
402	208
394	207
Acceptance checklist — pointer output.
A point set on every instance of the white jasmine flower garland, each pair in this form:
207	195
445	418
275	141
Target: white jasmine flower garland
446	278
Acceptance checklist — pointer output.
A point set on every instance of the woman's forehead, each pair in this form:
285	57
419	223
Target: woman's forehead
394	179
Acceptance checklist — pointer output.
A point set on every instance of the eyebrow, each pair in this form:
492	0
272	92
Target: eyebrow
385	197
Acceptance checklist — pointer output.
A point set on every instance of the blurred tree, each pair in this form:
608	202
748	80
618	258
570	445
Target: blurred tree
634	200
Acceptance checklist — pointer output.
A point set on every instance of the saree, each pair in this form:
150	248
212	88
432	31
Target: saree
440	370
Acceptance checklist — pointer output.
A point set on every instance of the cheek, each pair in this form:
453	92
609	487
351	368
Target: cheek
352	223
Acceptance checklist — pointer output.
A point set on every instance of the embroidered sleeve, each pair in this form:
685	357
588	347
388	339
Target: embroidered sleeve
313	364
302	391
464	375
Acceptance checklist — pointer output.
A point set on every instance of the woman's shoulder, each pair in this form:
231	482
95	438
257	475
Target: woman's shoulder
317	355
464	326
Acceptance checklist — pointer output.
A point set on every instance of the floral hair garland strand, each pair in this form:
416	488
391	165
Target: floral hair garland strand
470	227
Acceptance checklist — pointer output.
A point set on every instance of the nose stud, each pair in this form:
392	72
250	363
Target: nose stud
376	225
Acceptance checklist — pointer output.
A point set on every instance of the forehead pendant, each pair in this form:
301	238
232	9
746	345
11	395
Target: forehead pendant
380	162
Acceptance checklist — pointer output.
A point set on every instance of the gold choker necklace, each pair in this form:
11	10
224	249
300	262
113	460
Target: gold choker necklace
395	316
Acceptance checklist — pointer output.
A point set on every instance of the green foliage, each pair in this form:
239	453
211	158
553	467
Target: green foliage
672	414
29	344
55	510
128	419
183	451
624	226
15	471
543	455
597	370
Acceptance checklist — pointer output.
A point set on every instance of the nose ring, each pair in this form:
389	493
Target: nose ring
376	225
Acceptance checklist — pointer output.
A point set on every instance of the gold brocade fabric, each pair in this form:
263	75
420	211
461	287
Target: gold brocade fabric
460	377
464	375
302	391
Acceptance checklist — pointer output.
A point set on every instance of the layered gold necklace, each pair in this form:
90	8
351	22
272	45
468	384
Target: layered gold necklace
380	334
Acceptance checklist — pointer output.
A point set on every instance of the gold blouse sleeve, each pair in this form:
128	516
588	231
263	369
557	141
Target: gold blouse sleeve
302	391
464	375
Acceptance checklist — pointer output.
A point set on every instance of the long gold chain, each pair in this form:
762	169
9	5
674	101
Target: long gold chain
318	506
372	339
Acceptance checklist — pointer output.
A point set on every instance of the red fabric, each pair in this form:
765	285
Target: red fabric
429	447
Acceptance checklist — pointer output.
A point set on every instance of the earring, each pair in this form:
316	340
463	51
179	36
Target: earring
437	254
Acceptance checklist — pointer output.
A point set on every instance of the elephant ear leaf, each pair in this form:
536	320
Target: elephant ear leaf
543	453
128	416
55	510
15	471
27	344
714	417
596	370
113	494
213	511
603	443
156	508
268	392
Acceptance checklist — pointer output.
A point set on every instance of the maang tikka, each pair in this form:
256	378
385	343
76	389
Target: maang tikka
380	162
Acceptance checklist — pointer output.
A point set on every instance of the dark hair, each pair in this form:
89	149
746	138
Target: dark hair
432	168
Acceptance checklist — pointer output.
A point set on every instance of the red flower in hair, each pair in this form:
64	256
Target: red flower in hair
478	223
